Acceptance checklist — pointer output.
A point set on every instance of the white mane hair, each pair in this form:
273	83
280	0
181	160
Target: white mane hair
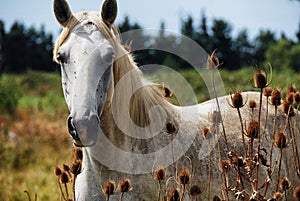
140	100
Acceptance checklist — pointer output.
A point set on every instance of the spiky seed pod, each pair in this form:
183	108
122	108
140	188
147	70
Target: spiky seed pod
252	104
280	140
237	100
287	108
124	185
184	176
213	61
57	171
290	98
160	174
297	98
109	188
260	80
171	128
291	89
284	184
216	198
252	131
195	190
277	195
174	195
240	161
66	167
205	132
64	178
297	193
276	97
225	166
76	168
216	117
78	154
268	91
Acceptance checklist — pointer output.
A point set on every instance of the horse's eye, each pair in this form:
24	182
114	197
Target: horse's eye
61	58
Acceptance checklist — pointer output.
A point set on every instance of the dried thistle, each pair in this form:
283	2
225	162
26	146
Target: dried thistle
287	109
195	190
237	100
109	188
225	166
260	79
280	140
297	193
58	171
160	174
167	92
252	131
275	97
66	167
213	61
78	154
268	92
64	178
290	98
76	168
174	195
252	104
171	128
284	184
216	117
184	176
124	186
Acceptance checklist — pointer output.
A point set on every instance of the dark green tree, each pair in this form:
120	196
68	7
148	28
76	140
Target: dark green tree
2	36
202	36
244	49
262	42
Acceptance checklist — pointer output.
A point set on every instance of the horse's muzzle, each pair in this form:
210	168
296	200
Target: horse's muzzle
81	133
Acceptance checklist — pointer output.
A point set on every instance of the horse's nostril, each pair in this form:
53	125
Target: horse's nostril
71	127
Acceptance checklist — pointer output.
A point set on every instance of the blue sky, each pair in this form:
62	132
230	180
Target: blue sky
277	15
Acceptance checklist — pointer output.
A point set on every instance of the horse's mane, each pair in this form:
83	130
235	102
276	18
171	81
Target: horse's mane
141	100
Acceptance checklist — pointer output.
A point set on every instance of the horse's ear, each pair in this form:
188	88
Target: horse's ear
109	11
62	12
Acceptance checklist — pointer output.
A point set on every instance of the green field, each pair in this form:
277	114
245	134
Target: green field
33	135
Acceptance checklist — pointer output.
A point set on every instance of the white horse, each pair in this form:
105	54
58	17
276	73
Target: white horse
124	124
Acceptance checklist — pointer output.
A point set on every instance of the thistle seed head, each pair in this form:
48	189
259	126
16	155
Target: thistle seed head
284	184
268	92
195	190
64	178
297	193
57	171
109	188
276	97
174	195
124	186
252	131
160	174
260	80
184	176
252	104
280	140
237	100
225	166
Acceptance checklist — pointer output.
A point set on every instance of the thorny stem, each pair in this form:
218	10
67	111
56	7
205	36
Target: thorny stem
209	176
218	105
28	195
259	145
279	168
272	144
295	149
242	129
159	190
67	192
60	188
121	196
183	190
266	120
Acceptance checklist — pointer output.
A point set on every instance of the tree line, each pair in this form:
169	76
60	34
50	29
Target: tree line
23	49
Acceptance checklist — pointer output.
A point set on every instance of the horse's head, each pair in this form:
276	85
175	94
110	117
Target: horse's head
85	55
